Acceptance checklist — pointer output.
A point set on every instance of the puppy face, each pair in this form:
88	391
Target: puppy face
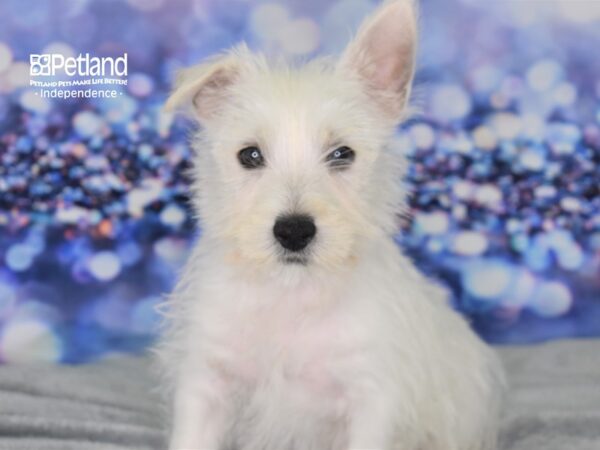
294	170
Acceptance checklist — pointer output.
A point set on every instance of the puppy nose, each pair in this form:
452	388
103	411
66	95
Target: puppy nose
294	232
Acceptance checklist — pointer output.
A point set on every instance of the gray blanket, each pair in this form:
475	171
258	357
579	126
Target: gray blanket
554	402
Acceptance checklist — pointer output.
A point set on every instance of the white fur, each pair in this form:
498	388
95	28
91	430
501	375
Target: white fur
355	349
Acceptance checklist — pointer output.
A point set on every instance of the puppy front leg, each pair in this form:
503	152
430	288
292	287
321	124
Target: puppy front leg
372	424
199	416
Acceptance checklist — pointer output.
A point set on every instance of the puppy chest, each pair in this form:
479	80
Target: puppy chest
301	356
290	392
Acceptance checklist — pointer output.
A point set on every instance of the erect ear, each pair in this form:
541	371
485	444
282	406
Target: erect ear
382	55
205	87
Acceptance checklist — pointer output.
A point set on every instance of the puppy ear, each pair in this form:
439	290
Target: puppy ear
382	55
205	87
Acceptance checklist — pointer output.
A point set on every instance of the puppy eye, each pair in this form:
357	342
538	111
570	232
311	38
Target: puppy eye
251	158
340	158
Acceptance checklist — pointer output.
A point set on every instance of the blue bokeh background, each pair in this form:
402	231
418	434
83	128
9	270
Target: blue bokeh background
504	150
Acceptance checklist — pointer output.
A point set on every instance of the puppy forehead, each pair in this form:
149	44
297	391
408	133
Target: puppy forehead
298	105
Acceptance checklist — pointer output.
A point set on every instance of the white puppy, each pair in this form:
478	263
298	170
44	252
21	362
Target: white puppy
297	323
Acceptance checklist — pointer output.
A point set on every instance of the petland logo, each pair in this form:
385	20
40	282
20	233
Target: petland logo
71	74
83	65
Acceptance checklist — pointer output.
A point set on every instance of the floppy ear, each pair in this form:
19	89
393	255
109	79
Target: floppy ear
382	55
205	87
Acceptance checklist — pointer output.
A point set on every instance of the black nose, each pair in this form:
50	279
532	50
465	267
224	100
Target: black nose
294	232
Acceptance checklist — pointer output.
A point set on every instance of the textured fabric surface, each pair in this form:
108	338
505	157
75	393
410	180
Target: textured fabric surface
553	403
110	405
554	398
